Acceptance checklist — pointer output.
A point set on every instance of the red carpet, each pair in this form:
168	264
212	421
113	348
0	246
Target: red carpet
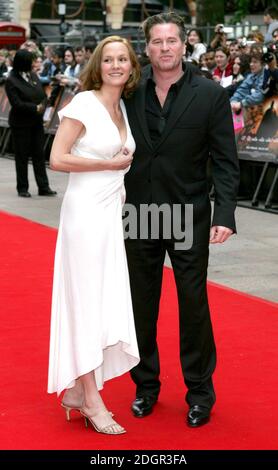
246	380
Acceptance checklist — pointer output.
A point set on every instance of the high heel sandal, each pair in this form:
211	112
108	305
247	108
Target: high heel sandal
68	409
108	429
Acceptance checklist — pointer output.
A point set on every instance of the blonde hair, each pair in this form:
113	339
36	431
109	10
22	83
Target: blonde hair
91	76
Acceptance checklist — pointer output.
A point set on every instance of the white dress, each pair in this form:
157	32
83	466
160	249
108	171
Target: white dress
92	325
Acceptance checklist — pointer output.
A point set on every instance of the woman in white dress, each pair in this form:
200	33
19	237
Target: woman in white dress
92	328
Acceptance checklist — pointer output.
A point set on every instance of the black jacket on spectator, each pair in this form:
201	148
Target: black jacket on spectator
26	122
24	97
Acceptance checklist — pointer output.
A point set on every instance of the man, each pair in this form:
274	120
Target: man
270	20
178	119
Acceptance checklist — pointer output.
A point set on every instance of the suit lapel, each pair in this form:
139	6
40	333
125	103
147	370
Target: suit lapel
140	99
185	97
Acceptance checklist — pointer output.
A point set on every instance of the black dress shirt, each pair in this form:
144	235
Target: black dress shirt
156	115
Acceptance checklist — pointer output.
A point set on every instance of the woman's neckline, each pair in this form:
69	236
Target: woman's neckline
104	107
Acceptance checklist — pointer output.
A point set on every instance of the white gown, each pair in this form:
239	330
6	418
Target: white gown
92	325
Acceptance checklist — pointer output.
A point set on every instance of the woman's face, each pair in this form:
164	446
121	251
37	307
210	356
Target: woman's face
236	66
193	38
221	59
37	65
116	66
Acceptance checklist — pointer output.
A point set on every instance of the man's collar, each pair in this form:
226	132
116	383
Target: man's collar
147	74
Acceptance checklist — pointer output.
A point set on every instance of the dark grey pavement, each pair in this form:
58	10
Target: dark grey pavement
247	262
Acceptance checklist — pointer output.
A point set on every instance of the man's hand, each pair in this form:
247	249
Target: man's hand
219	234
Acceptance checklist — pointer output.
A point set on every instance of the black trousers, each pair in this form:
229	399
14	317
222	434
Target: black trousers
29	142
197	347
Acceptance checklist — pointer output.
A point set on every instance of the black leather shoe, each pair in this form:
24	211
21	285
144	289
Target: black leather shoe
47	192
143	406
24	194
197	416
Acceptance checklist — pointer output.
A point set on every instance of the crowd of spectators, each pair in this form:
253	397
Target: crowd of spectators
246	66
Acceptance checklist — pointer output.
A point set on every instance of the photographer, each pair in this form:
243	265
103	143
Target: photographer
270	78
220	37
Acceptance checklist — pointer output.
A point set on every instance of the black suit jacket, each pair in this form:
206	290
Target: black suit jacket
175	170
24	98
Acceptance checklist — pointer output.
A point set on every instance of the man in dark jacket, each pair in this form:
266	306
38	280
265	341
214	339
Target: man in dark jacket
178	119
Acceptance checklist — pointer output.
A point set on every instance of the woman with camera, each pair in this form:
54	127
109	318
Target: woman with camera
27	100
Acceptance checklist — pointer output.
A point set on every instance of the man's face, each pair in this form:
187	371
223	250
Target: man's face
256	66
79	57
165	48
210	60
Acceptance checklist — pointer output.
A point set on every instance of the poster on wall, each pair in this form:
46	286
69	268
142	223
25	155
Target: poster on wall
64	98
260	132
4	108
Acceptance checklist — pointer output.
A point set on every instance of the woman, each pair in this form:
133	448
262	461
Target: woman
27	100
241	68
194	46
224	67
92	328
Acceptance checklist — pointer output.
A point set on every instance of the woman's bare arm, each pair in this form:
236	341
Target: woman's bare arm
62	160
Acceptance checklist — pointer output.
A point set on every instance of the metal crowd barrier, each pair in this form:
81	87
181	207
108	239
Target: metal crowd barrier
256	151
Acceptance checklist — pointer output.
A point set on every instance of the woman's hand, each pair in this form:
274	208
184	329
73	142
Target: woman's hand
236	106
121	160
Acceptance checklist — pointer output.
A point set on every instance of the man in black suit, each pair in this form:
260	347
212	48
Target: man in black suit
178	119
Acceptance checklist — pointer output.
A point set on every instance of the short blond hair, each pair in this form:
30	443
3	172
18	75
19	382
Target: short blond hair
91	76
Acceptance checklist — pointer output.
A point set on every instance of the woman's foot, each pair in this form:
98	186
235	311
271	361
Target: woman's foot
101	420
73	399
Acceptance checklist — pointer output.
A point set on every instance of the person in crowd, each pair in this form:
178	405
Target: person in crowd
80	58
271	21
224	66
93	336
210	60
220	37
56	71
275	35
27	100
249	93
48	66
233	50
3	66
194	45
31	46
90	44
241	68
179	120
256	36
69	77
270	77
203	67
37	65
